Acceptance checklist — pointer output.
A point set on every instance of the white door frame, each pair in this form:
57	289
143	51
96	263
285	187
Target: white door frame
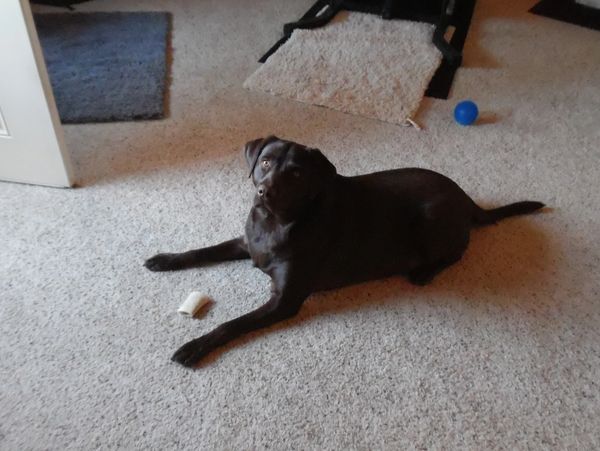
32	146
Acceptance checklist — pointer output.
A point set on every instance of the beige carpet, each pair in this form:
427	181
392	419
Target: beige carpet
502	351
358	63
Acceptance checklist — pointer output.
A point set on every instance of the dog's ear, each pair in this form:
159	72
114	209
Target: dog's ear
325	168
253	149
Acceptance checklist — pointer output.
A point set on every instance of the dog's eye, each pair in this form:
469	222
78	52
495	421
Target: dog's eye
266	164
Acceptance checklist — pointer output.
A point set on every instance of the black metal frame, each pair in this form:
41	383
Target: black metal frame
455	13
569	11
60	3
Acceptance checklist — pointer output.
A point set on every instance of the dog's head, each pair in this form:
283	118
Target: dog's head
288	176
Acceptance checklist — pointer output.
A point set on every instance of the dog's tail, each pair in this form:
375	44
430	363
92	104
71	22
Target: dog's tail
485	217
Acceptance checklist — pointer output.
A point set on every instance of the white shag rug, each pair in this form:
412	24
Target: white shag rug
358	64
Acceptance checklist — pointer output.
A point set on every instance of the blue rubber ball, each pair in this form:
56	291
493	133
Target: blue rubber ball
466	112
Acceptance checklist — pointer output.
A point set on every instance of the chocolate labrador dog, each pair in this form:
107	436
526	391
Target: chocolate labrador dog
311	229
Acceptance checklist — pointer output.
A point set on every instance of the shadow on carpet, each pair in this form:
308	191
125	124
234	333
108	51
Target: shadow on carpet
107	67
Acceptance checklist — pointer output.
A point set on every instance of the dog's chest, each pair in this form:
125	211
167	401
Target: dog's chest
266	237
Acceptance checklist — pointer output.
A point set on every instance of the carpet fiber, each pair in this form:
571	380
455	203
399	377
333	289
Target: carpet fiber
501	351
358	63
106	66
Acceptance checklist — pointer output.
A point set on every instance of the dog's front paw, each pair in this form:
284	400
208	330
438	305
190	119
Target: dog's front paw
193	351
162	262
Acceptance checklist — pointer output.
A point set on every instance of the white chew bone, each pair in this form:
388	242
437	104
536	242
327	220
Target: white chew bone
410	121
194	302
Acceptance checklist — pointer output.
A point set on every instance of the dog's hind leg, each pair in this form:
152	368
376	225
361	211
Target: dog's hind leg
424	274
439	252
443	237
235	249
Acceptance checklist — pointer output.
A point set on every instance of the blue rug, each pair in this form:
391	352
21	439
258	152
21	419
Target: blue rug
106	66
